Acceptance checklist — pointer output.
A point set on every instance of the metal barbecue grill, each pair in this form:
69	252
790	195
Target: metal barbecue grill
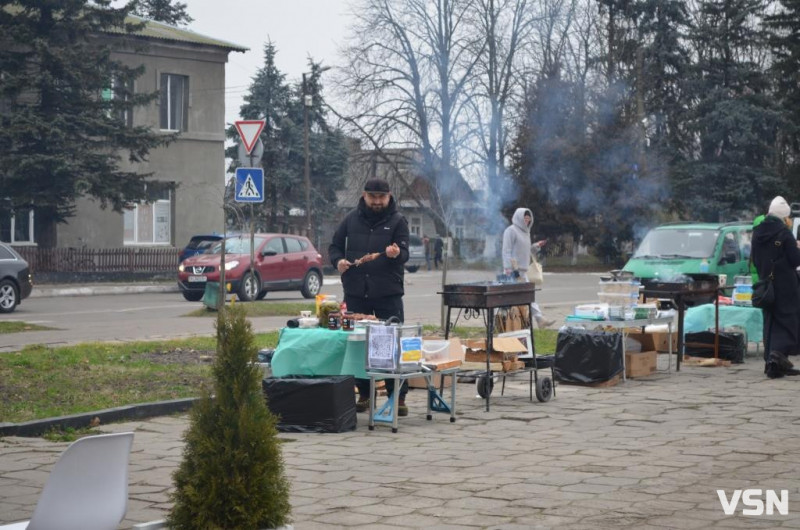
487	296
694	288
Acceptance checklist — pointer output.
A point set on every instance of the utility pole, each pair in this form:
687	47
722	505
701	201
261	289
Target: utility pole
307	102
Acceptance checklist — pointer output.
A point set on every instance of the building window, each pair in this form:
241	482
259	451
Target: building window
174	102
17	227
415	225
148	223
121	92
458	229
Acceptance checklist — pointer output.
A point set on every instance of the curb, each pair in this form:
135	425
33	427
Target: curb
80	421
45	292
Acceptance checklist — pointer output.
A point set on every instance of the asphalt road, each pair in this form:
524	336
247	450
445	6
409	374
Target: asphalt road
127	317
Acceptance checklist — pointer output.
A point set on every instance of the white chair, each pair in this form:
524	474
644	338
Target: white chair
87	488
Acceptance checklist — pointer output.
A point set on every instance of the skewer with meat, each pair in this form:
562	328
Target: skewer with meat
367	258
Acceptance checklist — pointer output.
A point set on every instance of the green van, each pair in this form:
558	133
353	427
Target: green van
672	250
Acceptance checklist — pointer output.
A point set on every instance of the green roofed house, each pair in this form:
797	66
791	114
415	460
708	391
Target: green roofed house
188	71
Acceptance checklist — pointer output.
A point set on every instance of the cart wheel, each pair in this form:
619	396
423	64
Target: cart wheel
372	427
544	389
452	420
429	417
484	385
394	431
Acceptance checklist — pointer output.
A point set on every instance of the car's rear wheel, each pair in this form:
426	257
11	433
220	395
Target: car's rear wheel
9	296
192	296
312	283
261	295
250	287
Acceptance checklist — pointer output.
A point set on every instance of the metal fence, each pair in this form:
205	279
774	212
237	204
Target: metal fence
100	260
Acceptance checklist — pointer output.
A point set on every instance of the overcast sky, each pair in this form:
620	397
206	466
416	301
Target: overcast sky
298	28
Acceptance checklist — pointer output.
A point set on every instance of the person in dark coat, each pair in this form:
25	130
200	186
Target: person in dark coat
775	252
373	287
438	245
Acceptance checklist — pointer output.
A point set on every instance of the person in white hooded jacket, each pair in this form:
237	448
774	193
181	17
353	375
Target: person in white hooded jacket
517	254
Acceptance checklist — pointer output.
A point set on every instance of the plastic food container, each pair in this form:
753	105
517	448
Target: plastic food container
619	299
435	350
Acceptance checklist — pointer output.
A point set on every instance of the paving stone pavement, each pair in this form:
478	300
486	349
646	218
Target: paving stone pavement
648	453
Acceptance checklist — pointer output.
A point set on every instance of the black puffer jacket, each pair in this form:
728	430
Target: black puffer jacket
361	233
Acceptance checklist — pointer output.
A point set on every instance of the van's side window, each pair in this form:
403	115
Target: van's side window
729	246
745	243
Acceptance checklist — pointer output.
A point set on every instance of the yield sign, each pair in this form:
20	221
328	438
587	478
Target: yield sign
249	131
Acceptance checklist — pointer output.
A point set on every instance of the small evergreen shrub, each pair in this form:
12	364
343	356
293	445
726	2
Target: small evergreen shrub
232	472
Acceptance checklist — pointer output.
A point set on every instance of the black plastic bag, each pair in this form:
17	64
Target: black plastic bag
732	345
584	356
305	403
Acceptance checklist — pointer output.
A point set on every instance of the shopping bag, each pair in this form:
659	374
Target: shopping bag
535	272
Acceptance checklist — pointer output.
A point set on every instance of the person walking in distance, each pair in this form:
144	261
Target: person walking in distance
517	255
369	249
426	245
437	252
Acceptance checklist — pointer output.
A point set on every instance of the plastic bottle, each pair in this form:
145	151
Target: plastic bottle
704	266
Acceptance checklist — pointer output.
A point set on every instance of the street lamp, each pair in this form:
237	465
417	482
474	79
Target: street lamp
308	102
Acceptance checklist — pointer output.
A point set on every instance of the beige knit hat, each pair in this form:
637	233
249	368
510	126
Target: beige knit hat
779	208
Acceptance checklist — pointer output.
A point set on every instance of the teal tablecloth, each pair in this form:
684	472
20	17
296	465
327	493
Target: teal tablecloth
318	352
701	318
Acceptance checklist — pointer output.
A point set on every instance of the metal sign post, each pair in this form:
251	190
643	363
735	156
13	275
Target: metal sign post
250	180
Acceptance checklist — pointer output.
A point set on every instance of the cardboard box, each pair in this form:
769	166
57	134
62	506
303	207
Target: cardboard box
500	345
655	341
640	364
661	341
479	356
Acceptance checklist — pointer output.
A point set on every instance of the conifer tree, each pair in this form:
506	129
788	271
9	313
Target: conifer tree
163	11
784	39
232	473
733	120
60	137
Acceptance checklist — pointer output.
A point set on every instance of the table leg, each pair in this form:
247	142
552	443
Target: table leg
679	353
669	348
489	346
452	396
624	350
372	403
395	401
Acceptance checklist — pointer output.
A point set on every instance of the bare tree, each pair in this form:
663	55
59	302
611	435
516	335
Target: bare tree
506	27
408	66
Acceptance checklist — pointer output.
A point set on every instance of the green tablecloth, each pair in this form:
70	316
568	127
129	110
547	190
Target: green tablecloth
701	318
318	352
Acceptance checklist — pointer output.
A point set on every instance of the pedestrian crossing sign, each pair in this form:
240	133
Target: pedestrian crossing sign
249	185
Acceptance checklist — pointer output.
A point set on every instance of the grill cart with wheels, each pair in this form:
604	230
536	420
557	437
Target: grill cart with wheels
483	298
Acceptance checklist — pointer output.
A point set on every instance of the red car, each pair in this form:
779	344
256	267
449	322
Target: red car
283	262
